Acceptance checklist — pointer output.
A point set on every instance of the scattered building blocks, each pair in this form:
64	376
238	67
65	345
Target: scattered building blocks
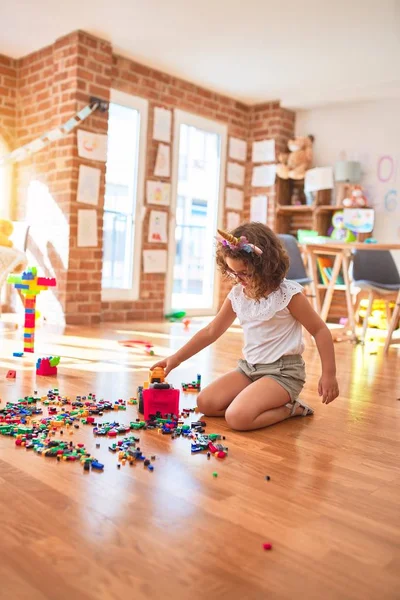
47	366
18	354
11	374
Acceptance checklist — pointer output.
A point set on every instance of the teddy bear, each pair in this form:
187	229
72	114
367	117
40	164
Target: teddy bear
6	229
294	164
356	198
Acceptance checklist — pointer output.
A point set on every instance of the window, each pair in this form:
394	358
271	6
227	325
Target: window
197	201
126	152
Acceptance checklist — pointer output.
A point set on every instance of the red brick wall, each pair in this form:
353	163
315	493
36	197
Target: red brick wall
267	121
52	85
8	99
8	109
92	59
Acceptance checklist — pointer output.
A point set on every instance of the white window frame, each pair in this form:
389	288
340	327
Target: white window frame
183	117
142	106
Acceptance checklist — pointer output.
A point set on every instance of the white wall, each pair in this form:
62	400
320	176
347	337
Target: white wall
370	133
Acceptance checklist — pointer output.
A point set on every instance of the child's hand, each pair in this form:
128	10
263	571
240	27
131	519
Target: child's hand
328	388
168	364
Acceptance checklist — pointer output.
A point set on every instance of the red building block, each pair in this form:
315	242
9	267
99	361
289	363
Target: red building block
11	375
44	368
163	401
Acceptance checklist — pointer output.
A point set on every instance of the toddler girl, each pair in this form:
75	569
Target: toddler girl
265	387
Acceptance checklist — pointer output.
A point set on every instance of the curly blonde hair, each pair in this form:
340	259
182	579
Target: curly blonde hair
266	271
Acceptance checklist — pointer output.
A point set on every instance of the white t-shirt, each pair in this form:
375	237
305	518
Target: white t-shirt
270	330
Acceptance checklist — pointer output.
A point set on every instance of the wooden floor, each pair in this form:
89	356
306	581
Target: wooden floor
331	509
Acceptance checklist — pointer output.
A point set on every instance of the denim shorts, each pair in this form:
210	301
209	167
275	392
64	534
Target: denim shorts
289	371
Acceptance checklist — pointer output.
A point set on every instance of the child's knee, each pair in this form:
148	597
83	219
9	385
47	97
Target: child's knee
204	404
237	419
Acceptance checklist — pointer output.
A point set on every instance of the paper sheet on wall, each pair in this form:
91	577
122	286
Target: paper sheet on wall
88	185
234	198
161	168
237	149
235	173
87	228
263	176
158	193
258	209
232	220
92	145
158	226
320	178
162	125
154	261
263	151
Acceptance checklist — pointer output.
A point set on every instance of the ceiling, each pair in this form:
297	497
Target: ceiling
304	52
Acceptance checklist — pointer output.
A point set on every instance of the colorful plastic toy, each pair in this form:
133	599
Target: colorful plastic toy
157	397
47	366
11	374
176	316
195	386
30	285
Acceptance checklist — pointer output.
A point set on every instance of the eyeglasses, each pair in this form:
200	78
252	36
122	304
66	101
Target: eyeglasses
239	274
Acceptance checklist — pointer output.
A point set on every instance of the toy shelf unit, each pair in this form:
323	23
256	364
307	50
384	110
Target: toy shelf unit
315	212
307	213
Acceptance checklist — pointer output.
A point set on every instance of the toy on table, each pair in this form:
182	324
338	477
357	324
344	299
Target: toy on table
295	163
186	322
356	199
339	232
47	366
11	374
194	386
30	285
156	396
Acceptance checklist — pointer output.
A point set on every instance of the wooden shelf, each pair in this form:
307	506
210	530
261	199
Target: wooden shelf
294	209
328	208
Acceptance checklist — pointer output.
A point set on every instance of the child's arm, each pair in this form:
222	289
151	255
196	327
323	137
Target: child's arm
202	339
302	311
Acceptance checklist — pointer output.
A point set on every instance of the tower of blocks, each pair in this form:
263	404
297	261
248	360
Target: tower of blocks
194	386
30	285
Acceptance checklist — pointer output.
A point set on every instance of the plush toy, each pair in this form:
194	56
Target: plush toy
293	165
356	198
339	233
6	229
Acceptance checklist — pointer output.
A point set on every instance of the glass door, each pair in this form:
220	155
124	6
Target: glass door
199	163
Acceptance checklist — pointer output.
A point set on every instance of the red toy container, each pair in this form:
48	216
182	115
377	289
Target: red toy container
163	401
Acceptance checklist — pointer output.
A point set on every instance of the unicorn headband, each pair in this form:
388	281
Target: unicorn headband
238	244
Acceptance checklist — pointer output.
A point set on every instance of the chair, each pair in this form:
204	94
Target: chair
375	271
297	271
